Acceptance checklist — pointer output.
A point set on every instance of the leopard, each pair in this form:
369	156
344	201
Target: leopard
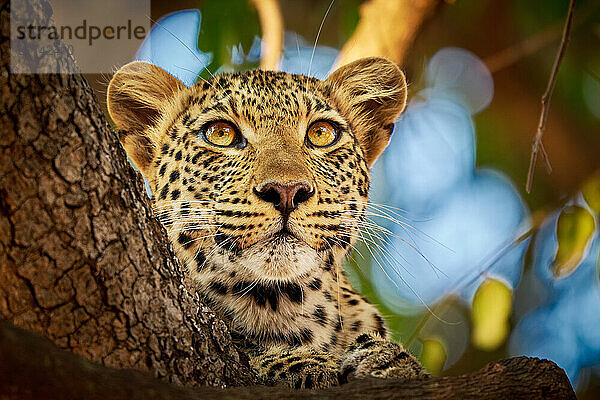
261	179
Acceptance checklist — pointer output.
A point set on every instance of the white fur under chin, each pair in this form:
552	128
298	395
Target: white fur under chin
279	258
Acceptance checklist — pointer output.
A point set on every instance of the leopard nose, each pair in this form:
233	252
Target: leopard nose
285	197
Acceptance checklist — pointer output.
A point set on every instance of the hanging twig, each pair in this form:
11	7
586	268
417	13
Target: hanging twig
271	23
513	54
518	51
537	143
386	29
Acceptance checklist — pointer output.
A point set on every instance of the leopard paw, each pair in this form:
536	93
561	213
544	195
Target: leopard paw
374	356
299	369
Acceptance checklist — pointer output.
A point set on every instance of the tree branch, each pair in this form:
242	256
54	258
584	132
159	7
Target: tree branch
387	29
33	368
537	143
271	23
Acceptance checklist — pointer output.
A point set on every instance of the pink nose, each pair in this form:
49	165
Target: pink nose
285	197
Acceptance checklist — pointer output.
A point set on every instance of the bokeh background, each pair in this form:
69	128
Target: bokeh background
465	265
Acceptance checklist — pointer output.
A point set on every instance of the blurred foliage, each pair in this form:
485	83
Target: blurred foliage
433	356
348	18
591	195
490	313
226	24
504	133
591	192
575	229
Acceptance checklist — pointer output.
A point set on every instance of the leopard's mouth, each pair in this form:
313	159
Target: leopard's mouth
281	254
285	230
284	233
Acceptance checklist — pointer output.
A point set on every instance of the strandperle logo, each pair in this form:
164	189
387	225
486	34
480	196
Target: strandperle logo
84	31
100	36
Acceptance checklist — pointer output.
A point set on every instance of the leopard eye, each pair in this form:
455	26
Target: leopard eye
322	134
220	133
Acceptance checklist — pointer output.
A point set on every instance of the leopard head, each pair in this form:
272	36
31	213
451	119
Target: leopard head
258	172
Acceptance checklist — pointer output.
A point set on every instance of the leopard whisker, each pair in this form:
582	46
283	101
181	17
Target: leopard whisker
318	35
377	261
197	239
172	210
188	48
339	303
403	280
199	211
413	291
192	228
184	213
386	253
413	245
383	235
392	216
213	250
173	221
248	289
215	247
369	203
298	48
343	242
388	218
172	204
242	235
182	201
301	300
185	219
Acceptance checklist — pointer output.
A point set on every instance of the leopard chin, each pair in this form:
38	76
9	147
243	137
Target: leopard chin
280	257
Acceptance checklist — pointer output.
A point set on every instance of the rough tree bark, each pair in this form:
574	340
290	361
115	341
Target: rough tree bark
84	263
57	374
82	259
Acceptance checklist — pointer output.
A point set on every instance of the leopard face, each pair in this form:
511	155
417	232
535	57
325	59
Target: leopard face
259	177
272	201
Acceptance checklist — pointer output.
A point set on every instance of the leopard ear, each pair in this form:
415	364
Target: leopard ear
372	93
137	95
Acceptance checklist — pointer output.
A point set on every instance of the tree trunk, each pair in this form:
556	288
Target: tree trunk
84	263
82	259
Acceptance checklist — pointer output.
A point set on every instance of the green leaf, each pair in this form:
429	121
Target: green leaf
348	18
591	192
574	232
433	356
492	305
224	26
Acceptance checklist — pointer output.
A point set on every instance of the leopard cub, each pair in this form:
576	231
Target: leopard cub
261	179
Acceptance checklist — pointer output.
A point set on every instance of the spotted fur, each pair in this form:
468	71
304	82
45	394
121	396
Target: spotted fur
277	279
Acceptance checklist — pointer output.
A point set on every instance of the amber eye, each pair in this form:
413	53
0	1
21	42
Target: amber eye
220	134
322	134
